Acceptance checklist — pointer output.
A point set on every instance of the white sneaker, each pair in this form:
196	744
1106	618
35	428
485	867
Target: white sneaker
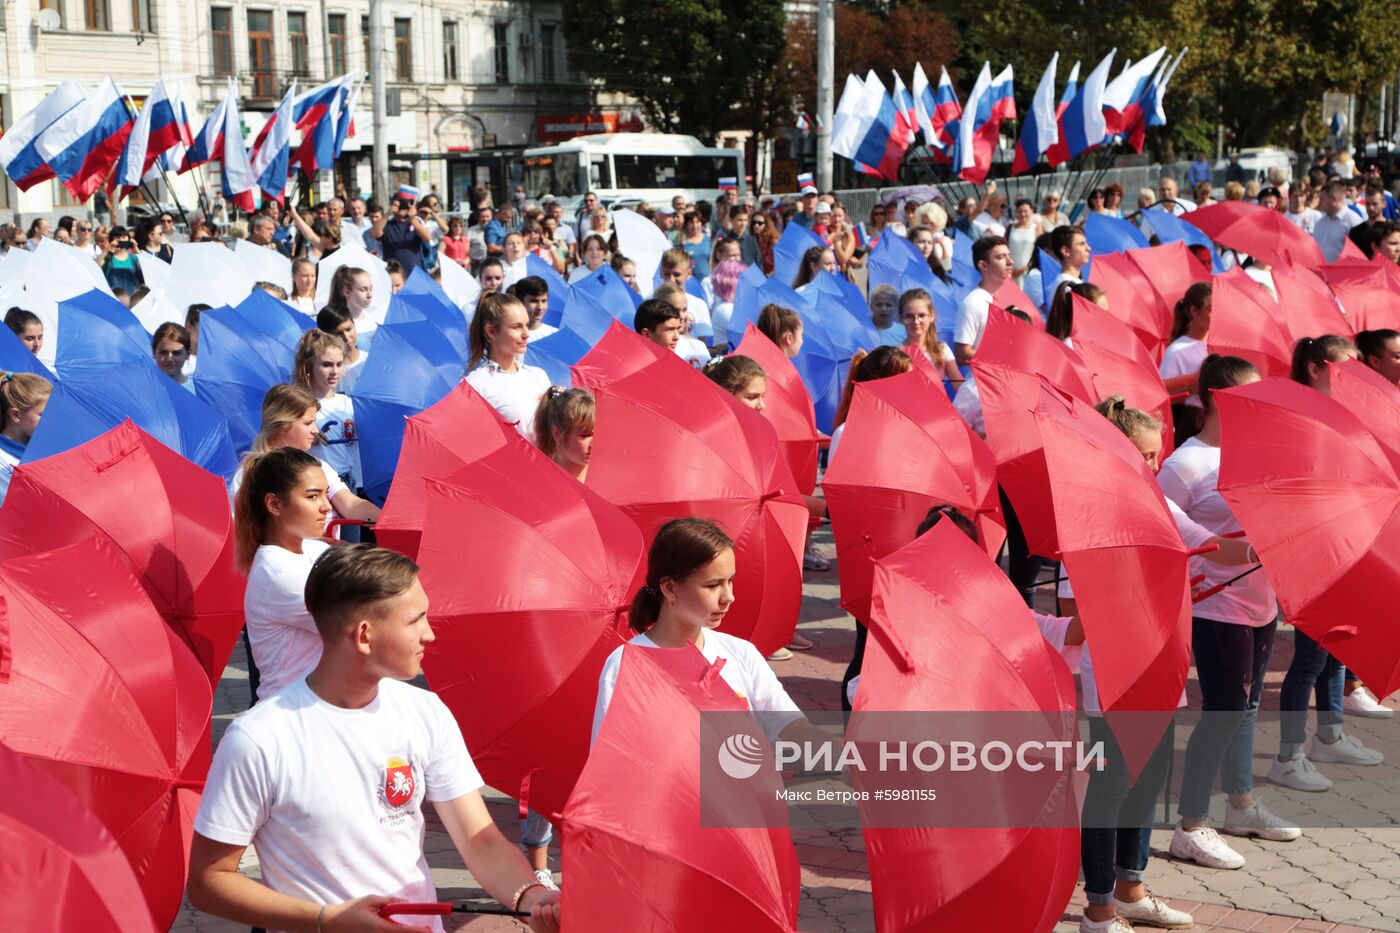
1256	820
782	654
1111	925
545	877
1347	750
1204	846
1299	774
1360	703
1153	912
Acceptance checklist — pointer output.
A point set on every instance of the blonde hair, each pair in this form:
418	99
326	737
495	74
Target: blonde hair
283	405
310	348
1131	421
933	216
668	291
563	410
21	392
490	309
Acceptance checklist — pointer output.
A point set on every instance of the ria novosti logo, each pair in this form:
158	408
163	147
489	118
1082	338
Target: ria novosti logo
740	756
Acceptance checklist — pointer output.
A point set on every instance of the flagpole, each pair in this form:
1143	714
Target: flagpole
178	206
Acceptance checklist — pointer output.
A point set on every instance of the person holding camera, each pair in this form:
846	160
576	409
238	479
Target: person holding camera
119	263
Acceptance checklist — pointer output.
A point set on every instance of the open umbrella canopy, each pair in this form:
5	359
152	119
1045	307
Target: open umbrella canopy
1011	364
787	405
589	313
1011	296
606	288
460	428
1307	304
268	315
1241	326
671	444
1133	300
63	871
1174	230
93	401
905	449
167	517
243	352
1119	364
95	329
1108	234
413	367
1369	292
789	250
642	860
136	748
1264	234
1369	396
753	292
429	308
557	354
1170	268
929	878
517	661
16	358
1319	497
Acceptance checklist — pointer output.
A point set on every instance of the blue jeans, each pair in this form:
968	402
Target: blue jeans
1230	663
1117	835
1313	671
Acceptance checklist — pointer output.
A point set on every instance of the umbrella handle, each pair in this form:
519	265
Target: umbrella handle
1203	549
428	908
335	523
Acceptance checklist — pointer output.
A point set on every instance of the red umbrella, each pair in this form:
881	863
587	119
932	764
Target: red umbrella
1257	231
1010	295
1307	304
639	856
104	696
1120	365
670	444
787	405
1319	497
1240	326
1171	268
1010	367
457	430
618	353
905	448
1368	291
63	869
530	574
169	518
1369	396
932	877
1133	300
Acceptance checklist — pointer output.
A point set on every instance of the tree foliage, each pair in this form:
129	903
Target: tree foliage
693	66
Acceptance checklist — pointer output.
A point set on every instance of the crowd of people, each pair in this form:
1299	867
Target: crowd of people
332	628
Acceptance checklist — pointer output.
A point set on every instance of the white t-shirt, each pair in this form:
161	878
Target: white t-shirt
1189	479
333	483
692	351
1183	357
332	798
306	305
350	376
8	461
1306	218
1265	278
835	439
745	670
700	323
515	396
580	273
1061	279
515	271
336	420
1331	231
281	632
972	317
892	336
968	402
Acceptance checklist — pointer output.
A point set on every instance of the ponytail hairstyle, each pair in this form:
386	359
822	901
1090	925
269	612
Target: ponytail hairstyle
1060	321
310	347
1131	421
1371	343
342	282
732	373
1196	298
19	320
21	392
303	261
563	410
270	472
932	345
880	363
775	320
490	309
953	514
813	257
681	547
1318	351
1221	372
282	405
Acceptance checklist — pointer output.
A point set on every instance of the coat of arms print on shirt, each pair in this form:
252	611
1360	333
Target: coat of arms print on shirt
399	787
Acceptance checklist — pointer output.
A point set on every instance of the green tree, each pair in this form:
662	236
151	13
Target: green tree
693	66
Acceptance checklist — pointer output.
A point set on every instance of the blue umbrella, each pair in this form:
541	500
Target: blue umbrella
897	262
404	309
825	357
963	273
753	293
587	317
607	288
95	329
1108	234
16	358
843	294
269	316
787	253
241	356
558	287
1170	229
94	400
412	367
421	283
557	353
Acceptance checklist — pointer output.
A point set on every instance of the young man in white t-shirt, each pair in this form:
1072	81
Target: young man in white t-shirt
991	256
328	778
1072	249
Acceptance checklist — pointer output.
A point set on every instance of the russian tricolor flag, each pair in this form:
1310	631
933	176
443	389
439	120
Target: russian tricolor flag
1123	96
965	150
904	108
1039	131
804	179
272	150
885	138
324	114
1084	126
946	109
239	182
1156	116
729	183
82	145
209	141
1058	151
991	101
166	130
19	152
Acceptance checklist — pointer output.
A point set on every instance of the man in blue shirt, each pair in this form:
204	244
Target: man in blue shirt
493	232
403	237
1199	170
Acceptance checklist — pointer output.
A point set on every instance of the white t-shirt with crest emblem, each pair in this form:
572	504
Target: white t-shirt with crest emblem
331	798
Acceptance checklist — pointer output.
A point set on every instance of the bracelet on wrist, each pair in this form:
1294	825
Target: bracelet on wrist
321	918
520	892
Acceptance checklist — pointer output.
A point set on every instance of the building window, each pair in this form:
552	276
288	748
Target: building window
403	49
449	51
502	53
296	38
221	25
99	14
549	41
364	31
142	19
260	54
335	34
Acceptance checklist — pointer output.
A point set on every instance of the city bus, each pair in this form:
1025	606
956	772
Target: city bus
631	167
